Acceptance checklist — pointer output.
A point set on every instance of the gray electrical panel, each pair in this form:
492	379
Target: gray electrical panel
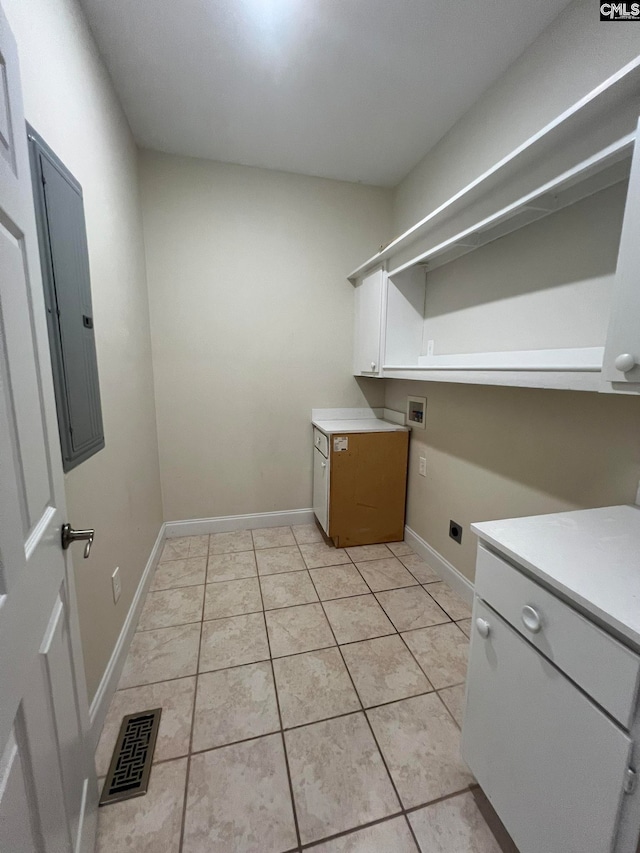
67	289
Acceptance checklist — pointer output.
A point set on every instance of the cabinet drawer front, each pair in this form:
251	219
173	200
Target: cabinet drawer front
551	763
604	668
321	441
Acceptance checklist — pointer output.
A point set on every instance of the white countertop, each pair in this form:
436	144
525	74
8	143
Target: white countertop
332	421
357	425
591	557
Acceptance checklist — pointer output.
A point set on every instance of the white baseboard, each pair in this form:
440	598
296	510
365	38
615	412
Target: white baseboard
109	681
227	523
456	580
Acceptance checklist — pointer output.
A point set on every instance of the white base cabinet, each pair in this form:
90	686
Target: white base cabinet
552	764
552	722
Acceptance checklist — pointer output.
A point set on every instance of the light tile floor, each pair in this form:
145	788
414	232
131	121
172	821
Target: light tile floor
312	699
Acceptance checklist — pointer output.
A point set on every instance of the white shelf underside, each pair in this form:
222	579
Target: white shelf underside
558	380
576	369
616	90
605	169
580	359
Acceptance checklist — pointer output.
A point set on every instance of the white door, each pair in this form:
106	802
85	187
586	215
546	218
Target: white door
48	789
321	489
369	293
551	763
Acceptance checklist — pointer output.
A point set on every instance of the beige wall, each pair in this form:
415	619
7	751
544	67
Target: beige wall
70	102
502	452
252	325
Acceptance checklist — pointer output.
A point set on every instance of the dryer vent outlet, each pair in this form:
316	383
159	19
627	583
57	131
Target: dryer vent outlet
455	531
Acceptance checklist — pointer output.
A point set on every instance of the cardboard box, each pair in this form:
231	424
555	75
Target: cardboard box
368	487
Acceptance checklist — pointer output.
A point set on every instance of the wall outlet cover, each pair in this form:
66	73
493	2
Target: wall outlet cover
422	467
455	531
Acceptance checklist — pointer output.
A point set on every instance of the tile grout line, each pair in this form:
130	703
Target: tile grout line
468	788
401	812
441	606
346	832
373	591
293	654
364	710
364	713
375	740
419	627
404	811
193	718
400	634
418	664
448	620
422	668
283	728
172	624
449	711
411	830
281	732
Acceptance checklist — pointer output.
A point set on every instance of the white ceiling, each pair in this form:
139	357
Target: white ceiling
357	90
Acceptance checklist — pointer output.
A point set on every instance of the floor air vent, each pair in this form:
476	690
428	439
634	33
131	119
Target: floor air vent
130	766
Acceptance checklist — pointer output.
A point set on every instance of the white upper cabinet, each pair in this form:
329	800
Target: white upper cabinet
622	351
369	295
529	275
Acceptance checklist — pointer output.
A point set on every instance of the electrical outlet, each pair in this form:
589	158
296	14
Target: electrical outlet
422	469
430	345
116	584
455	531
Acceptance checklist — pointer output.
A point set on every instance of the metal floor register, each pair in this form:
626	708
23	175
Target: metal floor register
130	766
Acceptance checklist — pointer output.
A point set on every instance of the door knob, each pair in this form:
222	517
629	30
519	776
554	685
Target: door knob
373	365
624	362
531	619
484	629
69	535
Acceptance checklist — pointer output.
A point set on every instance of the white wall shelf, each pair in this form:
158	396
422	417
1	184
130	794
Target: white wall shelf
587	152
583	359
606	114
604	169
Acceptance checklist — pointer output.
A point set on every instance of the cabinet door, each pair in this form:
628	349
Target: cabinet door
622	351
321	489
369	295
551	763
